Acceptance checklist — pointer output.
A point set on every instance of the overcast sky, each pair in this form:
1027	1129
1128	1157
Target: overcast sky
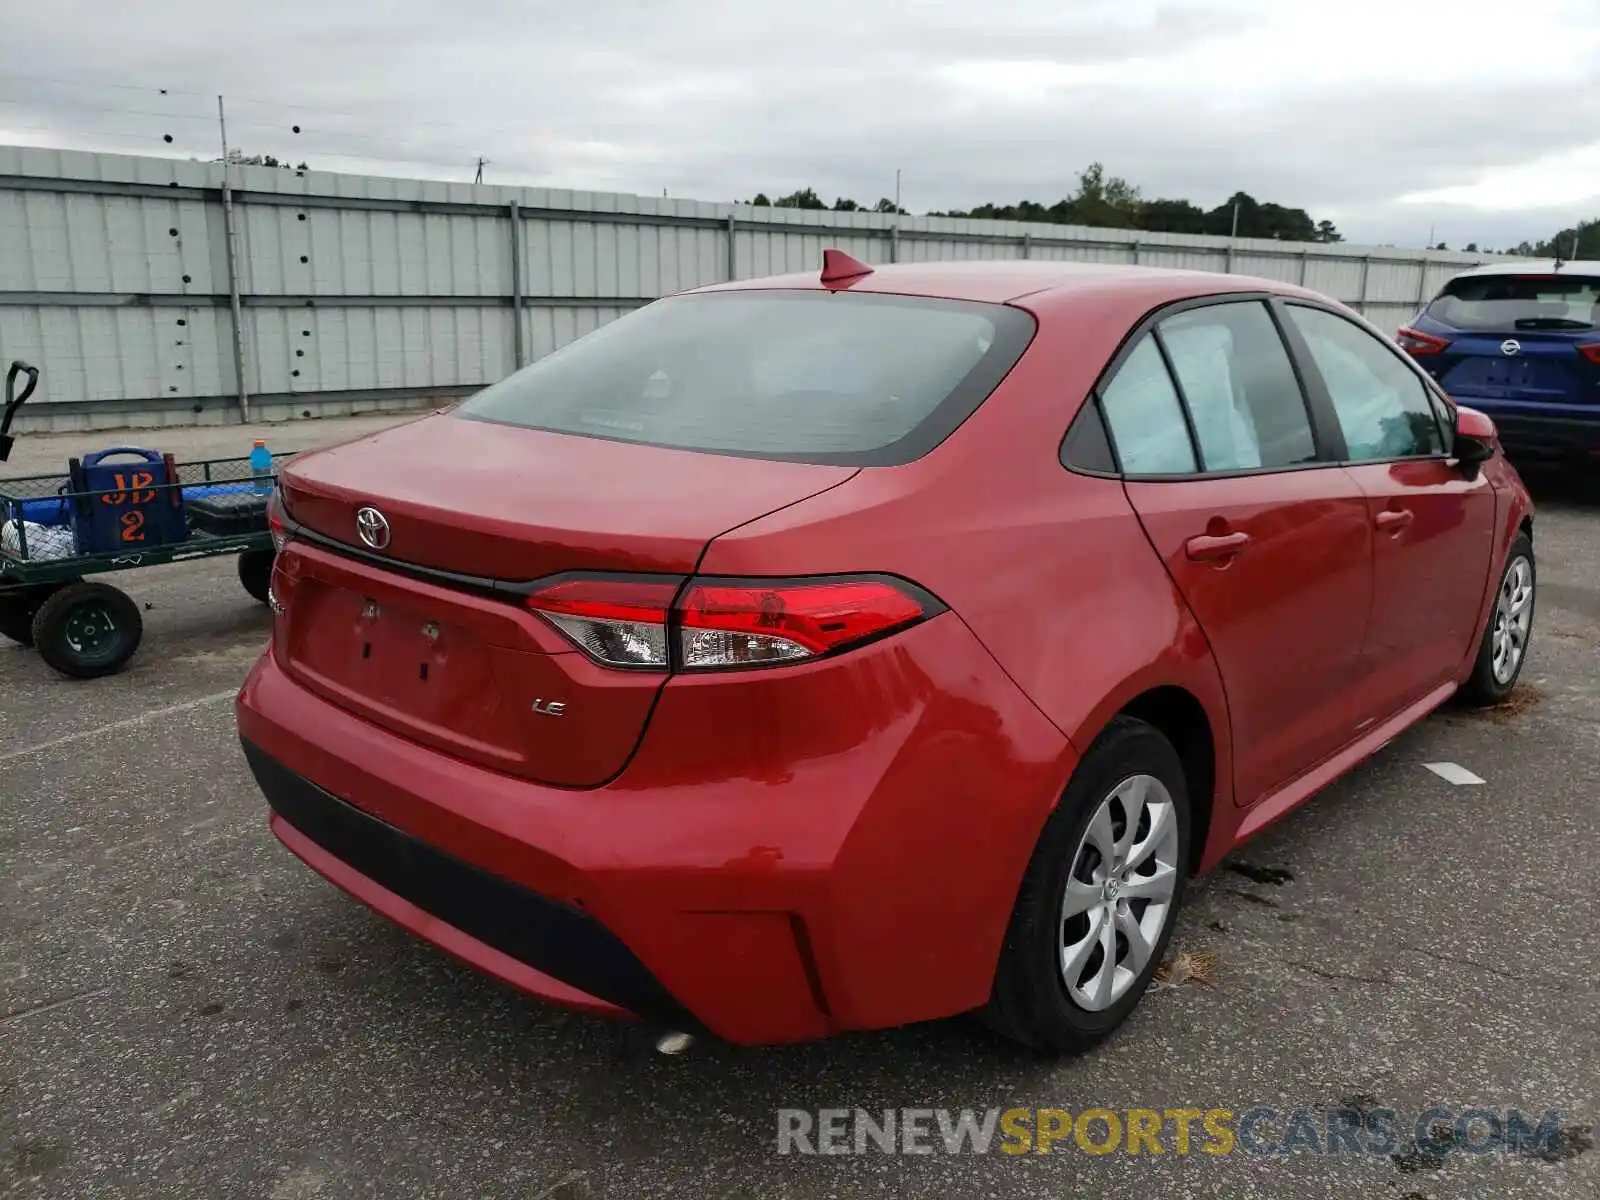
1478	120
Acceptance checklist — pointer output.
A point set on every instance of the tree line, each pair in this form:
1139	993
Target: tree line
808	198
1580	241
1112	202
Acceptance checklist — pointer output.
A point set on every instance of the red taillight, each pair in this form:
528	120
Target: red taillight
619	622
1591	351
715	623
275	522
751	622
1415	342
603	599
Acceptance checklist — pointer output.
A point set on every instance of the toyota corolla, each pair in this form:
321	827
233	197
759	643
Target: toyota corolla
837	651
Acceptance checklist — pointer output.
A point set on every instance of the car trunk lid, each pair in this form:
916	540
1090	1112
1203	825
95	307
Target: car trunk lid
425	635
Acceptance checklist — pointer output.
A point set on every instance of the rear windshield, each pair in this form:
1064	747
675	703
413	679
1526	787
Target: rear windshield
1509	302
827	377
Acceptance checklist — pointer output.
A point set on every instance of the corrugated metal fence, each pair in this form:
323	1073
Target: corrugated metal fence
360	293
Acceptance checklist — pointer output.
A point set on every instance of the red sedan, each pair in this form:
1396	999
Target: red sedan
826	653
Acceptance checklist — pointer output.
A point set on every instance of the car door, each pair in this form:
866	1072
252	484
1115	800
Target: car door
1433	517
1270	545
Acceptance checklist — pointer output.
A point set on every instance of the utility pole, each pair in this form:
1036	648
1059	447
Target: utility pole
1235	231
482	162
894	242
230	236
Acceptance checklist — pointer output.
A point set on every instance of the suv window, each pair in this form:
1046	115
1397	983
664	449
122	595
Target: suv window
1146	418
1507	303
1243	396
1383	407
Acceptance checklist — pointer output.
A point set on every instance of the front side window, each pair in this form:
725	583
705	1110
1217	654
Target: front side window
834	377
1382	406
1146	418
1243	397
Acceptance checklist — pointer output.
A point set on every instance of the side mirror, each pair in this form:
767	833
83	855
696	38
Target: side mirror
1476	436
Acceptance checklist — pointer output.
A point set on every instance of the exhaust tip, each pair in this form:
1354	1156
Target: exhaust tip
674	1043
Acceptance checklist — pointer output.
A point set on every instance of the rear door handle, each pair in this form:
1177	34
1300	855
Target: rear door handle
1210	547
1393	520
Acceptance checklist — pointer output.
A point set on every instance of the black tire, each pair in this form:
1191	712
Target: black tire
87	630
1030	1002
17	607
1484	687
255	572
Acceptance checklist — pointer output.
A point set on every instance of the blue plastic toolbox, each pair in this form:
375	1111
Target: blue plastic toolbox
129	505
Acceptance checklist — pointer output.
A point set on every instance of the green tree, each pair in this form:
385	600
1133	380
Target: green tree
804	198
1172	216
1111	201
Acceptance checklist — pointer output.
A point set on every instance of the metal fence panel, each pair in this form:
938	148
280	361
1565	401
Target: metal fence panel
363	292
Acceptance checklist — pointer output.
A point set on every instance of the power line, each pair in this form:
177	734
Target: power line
125	87
457	126
7	127
384	148
175	150
126	112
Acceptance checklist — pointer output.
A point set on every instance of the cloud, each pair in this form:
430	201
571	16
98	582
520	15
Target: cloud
1337	109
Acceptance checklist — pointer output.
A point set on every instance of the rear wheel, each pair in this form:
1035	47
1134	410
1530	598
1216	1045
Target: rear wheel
86	630
255	572
1097	906
17	607
1504	647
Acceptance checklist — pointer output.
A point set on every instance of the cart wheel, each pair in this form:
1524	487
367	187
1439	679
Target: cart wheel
87	630
18	606
255	572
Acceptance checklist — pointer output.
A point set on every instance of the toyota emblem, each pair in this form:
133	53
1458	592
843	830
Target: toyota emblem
1510	346
373	527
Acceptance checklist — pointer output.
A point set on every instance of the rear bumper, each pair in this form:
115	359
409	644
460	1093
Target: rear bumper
535	941
763	880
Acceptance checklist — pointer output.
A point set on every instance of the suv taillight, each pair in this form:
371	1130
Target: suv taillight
1591	351
1417	343
708	623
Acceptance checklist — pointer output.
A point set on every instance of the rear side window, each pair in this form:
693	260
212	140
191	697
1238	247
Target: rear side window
1506	303
1384	410
1243	397
1146	418
830	377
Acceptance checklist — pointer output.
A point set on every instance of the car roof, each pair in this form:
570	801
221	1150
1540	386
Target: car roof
1536	266
1006	280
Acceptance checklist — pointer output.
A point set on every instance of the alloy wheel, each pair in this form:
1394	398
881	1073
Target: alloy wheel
1513	618
1119	891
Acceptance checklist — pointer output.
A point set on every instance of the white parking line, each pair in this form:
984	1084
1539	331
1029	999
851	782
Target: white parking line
1453	773
128	723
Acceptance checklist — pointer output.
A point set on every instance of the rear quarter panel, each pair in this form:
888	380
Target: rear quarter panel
1049	569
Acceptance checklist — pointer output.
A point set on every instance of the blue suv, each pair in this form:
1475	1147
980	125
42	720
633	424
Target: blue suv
1521	342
